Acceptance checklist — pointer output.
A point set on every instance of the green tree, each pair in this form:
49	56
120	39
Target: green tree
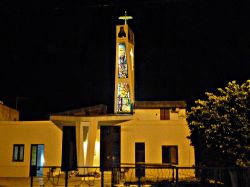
220	126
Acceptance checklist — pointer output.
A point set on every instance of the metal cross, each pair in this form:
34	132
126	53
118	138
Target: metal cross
125	17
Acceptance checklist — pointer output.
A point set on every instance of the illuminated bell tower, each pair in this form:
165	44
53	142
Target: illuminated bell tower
124	70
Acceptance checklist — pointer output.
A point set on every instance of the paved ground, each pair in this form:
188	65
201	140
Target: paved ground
73	182
25	182
14	182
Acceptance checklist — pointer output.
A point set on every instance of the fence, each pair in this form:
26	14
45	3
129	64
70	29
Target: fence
141	175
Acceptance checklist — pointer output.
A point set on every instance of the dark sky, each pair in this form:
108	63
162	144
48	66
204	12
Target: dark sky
61	55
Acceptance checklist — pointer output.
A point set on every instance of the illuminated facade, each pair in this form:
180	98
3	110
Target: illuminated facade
153	132
124	74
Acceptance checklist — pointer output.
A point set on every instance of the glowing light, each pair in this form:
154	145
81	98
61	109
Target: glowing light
125	18
97	154
85	146
97	148
132	58
42	161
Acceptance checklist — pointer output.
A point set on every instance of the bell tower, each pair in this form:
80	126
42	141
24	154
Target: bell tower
124	70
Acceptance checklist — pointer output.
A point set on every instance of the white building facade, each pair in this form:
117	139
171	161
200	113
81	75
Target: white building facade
150	132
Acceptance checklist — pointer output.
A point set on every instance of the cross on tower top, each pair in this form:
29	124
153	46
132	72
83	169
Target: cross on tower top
125	18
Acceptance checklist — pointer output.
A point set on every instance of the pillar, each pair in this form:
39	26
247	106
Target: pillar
79	144
91	143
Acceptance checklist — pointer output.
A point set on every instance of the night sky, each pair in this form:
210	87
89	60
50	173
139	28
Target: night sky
61	56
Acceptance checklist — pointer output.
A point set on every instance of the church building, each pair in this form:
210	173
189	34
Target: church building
150	132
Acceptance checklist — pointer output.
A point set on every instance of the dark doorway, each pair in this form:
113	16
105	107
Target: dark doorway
110	155
36	159
140	159
69	158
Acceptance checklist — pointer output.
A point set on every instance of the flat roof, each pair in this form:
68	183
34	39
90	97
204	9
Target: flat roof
159	104
95	110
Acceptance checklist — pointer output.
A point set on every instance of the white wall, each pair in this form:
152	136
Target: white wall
147	114
154	114
27	133
155	134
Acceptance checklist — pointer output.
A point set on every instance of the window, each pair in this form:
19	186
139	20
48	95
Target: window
18	152
169	154
123	103
122	61
165	114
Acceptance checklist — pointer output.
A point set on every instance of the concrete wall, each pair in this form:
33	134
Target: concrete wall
155	134
154	114
27	133
8	114
148	128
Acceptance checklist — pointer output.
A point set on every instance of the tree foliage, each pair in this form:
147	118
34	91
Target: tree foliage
220	125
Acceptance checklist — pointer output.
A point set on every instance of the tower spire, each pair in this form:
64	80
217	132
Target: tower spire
124	71
125	17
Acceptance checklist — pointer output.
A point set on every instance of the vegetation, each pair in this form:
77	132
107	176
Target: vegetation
220	126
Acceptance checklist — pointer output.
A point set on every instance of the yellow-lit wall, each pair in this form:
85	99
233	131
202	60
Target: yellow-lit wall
145	126
155	134
8	114
154	114
27	133
148	128
147	114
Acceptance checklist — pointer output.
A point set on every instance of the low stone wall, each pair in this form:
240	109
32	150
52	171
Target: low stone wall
8	114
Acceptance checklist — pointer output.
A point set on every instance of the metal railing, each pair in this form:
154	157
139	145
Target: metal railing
141	175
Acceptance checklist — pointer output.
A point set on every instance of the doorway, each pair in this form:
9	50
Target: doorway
140	159
36	159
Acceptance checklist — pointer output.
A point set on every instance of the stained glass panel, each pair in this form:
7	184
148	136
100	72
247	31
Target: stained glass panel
122	61
123	103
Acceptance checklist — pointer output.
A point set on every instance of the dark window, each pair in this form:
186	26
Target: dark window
18	152
165	114
169	154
